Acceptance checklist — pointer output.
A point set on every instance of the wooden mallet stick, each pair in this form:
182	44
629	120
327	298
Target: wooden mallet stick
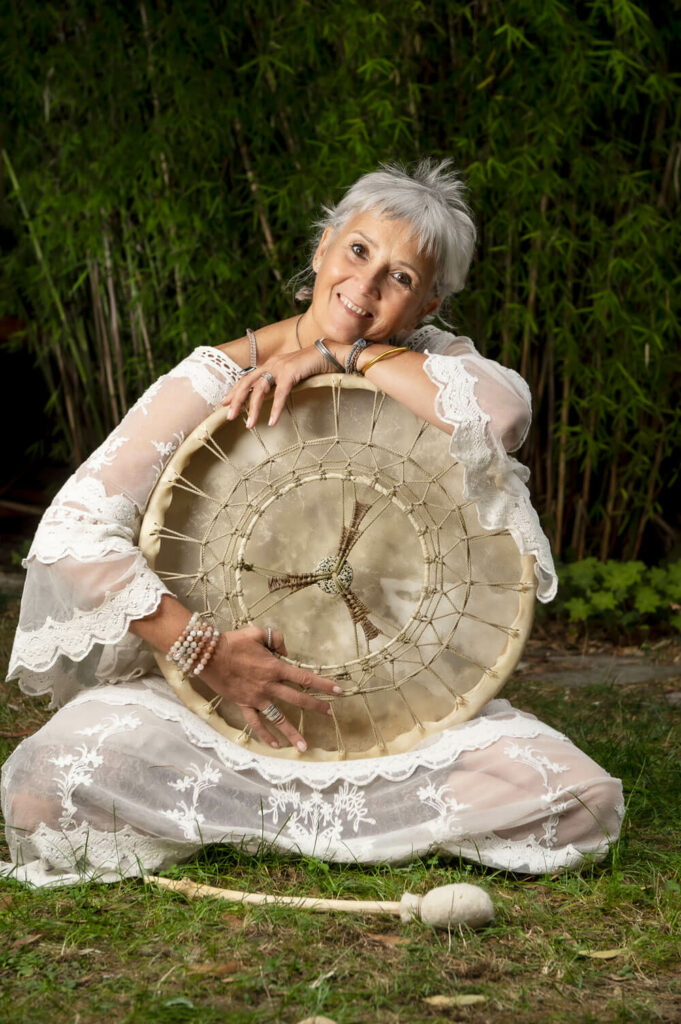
444	907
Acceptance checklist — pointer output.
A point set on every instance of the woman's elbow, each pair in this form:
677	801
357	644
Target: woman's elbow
510	425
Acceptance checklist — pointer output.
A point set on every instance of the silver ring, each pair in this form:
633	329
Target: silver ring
269	378
268	643
272	713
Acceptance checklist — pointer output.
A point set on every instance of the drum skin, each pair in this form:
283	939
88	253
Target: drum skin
345	527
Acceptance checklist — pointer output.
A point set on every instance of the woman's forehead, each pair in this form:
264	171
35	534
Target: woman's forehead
387	230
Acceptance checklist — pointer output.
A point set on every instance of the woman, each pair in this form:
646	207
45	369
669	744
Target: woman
124	778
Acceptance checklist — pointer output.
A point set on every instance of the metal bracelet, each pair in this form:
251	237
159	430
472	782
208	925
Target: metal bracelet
329	356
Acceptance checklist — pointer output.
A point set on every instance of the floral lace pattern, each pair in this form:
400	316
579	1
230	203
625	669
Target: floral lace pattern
78	767
498	720
187	814
314	818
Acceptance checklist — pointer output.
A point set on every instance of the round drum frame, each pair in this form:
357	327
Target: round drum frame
374	476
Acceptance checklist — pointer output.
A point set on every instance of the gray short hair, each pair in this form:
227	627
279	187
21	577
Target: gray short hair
431	198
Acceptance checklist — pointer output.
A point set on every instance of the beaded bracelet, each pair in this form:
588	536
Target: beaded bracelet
194	647
355	351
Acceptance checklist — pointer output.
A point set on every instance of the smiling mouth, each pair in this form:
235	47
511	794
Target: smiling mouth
357	310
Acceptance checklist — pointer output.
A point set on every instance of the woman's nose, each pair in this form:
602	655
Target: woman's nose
369	280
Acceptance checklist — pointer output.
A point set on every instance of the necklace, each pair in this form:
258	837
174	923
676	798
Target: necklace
297	326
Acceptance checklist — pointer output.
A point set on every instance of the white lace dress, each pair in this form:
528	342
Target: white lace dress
125	779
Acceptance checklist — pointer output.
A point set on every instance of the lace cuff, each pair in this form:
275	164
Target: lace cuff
495	481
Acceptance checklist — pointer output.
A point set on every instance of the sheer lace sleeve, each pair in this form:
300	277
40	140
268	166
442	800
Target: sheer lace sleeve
86	578
490	408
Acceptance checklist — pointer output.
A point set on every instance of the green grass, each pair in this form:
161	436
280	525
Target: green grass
131	953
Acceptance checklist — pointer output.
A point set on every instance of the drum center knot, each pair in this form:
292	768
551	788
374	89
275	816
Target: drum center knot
333	578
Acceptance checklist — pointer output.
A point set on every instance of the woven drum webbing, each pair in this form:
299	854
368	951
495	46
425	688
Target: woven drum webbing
382	496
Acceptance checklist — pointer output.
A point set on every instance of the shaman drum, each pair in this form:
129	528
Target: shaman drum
345	527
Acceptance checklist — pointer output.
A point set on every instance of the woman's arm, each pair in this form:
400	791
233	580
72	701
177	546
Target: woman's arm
408	378
88	585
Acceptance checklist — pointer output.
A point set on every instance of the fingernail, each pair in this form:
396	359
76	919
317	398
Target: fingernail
270	422
274	744
328	709
302	746
338	689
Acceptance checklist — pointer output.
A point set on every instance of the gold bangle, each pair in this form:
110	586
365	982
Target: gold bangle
384	355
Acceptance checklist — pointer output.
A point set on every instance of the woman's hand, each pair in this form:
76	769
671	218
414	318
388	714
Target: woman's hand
287	370
245	671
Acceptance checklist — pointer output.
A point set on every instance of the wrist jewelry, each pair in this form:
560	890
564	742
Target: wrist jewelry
357	348
195	646
384	355
328	355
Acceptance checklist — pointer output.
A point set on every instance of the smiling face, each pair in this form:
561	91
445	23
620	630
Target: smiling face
371	281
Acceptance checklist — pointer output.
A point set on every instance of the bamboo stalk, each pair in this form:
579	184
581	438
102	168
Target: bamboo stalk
650	495
562	462
45	268
508	272
136	305
69	405
551	415
255	191
532	293
578	540
612	491
103	341
113	316
165	173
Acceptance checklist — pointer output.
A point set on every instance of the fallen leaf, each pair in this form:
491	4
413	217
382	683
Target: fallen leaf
6	900
388	940
27	940
601	954
233	921
317	1020
454	1000
217	970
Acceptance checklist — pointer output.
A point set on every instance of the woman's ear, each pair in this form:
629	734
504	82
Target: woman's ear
428	307
321	248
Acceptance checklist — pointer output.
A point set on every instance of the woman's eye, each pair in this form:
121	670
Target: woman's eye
358	248
402	278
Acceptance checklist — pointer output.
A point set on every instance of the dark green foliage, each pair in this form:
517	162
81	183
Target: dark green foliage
165	162
620	595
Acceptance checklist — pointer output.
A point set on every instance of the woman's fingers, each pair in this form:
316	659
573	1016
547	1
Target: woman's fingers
302	700
283	390
278	644
308	680
291	733
253	719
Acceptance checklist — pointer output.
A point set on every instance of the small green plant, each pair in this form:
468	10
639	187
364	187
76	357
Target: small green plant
620	594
